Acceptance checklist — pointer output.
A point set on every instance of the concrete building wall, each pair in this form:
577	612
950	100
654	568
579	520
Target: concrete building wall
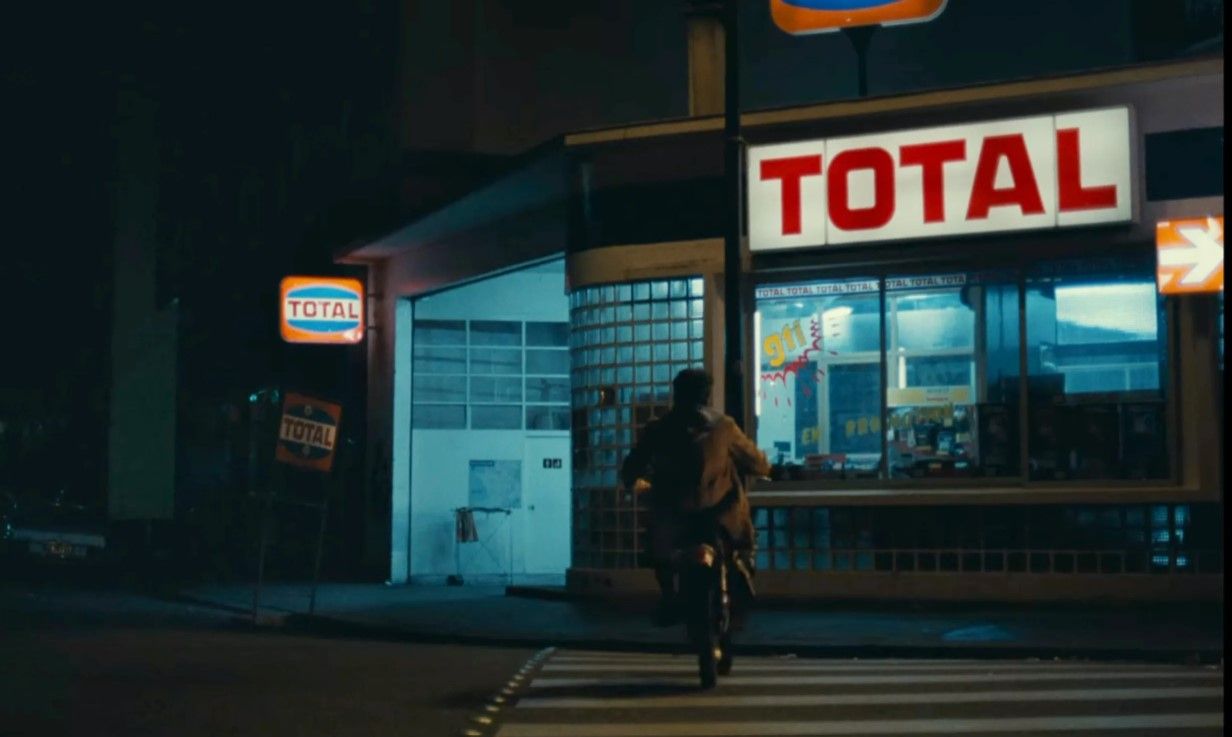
141	438
498	77
534	538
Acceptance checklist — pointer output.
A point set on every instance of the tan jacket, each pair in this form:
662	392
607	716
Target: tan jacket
693	459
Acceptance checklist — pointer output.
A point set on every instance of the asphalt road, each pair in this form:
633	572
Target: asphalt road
106	663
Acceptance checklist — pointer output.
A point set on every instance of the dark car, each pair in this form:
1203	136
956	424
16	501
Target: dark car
52	529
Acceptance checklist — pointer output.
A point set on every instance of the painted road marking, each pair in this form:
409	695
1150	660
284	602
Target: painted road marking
868	726
807	667
883	679
730	701
821	685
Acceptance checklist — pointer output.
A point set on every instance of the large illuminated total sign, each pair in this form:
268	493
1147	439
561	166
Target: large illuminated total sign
1038	172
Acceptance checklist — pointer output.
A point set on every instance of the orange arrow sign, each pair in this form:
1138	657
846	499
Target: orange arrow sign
1190	255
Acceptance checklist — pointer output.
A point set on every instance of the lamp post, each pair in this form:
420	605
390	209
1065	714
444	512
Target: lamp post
733	345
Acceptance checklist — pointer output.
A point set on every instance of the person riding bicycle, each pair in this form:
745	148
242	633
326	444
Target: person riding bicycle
695	459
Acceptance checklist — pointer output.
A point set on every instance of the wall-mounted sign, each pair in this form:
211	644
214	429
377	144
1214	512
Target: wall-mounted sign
819	16
1190	255
316	309
792	291
1002	175
308	432
931	281
928	396
495	484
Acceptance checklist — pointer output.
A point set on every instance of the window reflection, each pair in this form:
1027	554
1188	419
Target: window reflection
1096	354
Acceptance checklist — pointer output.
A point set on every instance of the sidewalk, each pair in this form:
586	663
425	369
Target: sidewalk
486	615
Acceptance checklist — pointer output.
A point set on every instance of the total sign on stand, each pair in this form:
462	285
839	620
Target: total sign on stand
308	432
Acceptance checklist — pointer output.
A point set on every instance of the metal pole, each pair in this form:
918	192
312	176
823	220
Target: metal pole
733	315
263	516
316	567
252	447
860	36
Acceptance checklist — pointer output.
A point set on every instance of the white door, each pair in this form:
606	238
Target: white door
546	505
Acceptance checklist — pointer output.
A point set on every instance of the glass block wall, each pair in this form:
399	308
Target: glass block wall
627	341
1043	539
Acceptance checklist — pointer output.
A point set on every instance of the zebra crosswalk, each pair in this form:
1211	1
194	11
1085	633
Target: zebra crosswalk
575	693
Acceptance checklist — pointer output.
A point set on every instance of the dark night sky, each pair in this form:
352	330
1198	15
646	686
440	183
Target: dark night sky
239	97
241	101
56	161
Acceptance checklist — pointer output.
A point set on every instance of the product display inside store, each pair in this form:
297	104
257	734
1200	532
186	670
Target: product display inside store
951	353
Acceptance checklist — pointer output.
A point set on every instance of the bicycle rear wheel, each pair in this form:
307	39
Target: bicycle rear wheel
703	629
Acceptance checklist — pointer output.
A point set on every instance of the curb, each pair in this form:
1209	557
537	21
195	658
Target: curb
337	627
542	593
268	616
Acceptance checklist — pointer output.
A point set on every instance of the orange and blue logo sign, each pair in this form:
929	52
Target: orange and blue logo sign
321	310
800	17
308	432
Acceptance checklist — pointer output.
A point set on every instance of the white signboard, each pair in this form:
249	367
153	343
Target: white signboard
495	484
1018	174
823	289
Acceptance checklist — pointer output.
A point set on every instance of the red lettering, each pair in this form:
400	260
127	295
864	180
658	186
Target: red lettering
931	158
294	303
790	171
310	309
1024	192
1071	195
879	213
352	311
339	311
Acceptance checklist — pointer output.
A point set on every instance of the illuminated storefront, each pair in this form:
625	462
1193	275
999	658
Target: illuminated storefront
959	362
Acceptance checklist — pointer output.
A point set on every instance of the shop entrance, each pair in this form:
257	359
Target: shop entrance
489	496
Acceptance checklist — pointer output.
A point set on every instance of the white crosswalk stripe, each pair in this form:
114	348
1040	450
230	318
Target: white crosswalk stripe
684	666
881	679
951	697
595	694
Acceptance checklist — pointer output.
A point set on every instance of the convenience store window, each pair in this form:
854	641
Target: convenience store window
818	397
951	352
1096	357
951	367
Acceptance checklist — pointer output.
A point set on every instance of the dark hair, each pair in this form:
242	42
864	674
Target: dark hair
691	387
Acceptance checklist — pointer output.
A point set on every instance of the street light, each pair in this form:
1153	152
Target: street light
733	318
